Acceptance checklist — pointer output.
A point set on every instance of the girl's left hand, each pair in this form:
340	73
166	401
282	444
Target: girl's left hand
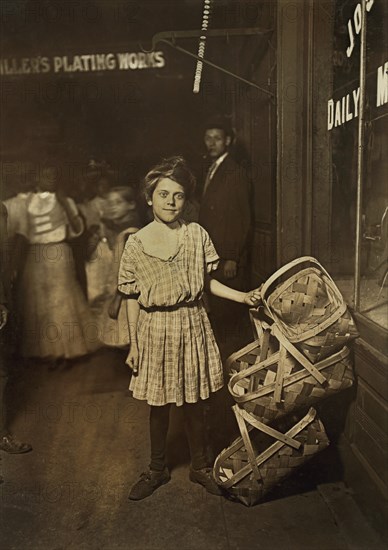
253	298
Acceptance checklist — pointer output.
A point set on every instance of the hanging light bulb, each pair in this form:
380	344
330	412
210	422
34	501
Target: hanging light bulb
201	46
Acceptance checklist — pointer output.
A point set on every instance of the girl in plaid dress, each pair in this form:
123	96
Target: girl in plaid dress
164	270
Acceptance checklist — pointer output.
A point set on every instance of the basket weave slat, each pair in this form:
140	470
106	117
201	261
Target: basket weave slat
249	482
254	387
280	376
312	315
248	447
264	351
300	357
304	304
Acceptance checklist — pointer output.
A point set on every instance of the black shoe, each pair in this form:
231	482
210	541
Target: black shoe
11	445
148	483
204	477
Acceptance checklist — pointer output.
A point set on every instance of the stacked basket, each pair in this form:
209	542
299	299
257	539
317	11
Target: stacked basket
300	356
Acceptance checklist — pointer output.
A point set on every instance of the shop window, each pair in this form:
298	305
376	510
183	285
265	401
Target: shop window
367	292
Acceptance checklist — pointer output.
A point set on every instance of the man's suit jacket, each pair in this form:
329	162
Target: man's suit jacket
225	210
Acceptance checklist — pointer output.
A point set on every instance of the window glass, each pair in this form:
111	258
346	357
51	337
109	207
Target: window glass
343	117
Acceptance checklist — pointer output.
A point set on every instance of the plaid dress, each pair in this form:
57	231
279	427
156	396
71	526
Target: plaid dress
179	361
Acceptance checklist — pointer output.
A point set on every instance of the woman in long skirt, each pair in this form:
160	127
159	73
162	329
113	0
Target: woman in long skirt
55	318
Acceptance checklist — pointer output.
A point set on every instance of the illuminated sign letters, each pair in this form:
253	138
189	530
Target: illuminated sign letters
85	63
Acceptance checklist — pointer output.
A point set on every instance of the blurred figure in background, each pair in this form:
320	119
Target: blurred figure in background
98	254
121	220
8	443
17	227
25	182
56	324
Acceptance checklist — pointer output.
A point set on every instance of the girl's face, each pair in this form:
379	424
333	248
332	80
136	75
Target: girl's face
117	206
168	200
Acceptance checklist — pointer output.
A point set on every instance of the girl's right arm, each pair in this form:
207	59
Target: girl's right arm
133	309
216	288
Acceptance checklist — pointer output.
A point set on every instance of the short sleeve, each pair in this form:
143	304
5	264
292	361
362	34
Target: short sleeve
212	259
127	283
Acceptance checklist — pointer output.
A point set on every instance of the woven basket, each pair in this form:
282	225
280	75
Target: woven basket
249	468
272	378
306	305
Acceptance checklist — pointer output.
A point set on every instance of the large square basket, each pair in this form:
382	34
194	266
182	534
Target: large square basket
308	308
272	378
248	469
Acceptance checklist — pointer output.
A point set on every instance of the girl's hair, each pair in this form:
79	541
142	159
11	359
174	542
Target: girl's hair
174	168
127	193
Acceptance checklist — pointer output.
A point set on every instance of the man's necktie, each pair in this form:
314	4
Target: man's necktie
209	175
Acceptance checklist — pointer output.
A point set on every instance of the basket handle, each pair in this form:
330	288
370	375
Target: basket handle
265	455
312	369
292	378
284	438
247	372
241	352
287	267
247	443
258	325
299	356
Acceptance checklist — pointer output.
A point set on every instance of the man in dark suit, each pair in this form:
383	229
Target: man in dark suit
225	212
7	442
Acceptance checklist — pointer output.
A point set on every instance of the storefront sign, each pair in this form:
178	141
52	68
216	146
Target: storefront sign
84	63
345	109
356	23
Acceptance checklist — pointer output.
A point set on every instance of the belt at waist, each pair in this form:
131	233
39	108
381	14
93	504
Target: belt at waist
175	307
